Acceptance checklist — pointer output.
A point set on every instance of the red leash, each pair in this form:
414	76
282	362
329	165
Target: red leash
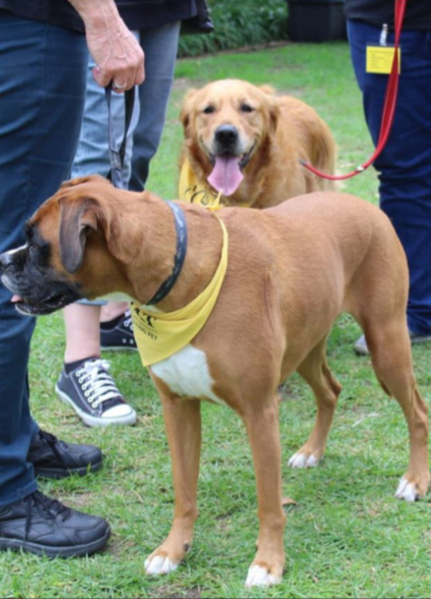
389	105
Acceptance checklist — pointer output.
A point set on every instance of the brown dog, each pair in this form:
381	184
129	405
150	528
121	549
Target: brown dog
291	270
247	143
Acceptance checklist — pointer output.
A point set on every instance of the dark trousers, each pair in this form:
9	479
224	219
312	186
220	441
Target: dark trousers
404	166
42	89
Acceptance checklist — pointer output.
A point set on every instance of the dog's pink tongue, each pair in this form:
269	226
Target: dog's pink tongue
226	175
15	298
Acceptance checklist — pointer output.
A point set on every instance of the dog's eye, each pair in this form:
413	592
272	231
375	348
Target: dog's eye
209	110
246	108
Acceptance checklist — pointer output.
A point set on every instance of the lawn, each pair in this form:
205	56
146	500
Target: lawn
347	536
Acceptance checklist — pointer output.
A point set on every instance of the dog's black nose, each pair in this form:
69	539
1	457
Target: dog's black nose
226	135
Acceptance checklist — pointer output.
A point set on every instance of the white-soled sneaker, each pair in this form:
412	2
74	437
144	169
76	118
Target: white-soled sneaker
92	393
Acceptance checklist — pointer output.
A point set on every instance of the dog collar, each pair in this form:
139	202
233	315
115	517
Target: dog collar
180	254
159	335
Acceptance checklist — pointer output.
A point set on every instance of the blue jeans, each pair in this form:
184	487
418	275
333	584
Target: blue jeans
160	47
42	86
404	166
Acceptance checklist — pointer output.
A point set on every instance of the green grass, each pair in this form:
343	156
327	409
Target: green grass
348	536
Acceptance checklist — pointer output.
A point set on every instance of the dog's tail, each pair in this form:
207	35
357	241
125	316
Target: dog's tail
323	155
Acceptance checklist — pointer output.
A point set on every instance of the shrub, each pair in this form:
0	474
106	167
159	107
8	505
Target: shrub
238	23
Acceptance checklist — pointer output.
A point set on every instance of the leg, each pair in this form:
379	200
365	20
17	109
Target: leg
390	350
183	428
88	323
112	310
315	371
42	96
263	432
85	383
160	46
403	166
82	331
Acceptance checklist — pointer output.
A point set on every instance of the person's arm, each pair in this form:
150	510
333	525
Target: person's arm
118	55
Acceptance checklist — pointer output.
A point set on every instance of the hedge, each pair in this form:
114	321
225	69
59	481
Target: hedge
238	23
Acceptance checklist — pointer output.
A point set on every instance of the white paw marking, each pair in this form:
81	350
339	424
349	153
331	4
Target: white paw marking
186	373
159	565
300	460
260	577
406	491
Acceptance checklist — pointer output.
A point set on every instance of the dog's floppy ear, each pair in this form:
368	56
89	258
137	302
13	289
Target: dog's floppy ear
77	220
274	115
186	111
274	110
267	89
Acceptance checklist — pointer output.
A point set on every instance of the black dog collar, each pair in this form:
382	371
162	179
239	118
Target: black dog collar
180	254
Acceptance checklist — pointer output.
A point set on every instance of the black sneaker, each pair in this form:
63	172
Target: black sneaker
92	393
52	458
120	336
46	527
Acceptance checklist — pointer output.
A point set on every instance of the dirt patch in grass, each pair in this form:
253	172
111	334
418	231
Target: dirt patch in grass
176	592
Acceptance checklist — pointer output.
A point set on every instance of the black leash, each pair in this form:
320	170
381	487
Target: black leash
116	155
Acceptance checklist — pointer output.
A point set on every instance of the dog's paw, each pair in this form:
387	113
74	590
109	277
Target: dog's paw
302	460
259	576
159	564
407	490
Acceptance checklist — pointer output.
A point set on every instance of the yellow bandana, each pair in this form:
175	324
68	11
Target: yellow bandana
190	190
162	334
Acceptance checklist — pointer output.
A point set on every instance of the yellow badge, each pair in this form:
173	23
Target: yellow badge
162	334
380	58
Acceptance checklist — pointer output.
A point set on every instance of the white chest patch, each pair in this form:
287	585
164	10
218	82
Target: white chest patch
186	373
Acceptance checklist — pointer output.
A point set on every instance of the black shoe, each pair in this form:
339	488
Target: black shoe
52	458
92	393
44	526
120	336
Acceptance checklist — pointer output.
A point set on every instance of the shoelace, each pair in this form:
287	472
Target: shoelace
128	322
46	507
96	382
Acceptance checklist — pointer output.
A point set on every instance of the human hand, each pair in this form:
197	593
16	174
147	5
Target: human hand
117	54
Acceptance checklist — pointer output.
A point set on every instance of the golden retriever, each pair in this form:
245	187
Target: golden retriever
248	143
